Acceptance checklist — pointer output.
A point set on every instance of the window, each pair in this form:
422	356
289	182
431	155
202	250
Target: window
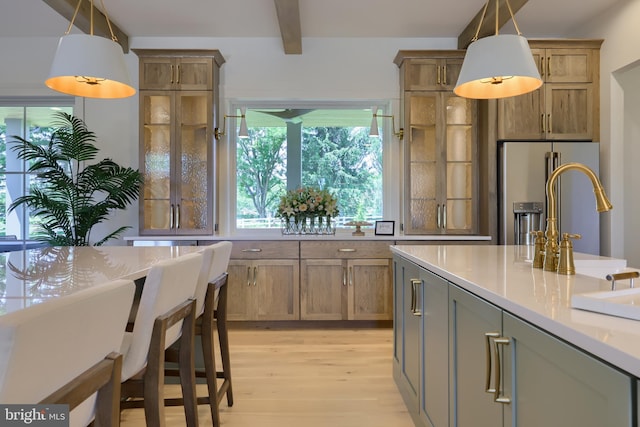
328	147
29	119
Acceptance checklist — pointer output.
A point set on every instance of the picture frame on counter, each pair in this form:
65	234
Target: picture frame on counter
385	228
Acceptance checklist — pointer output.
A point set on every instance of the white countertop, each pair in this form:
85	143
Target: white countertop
502	276
341	235
32	276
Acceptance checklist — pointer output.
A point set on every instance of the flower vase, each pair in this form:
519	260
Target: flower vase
320	229
329	226
287	226
304	226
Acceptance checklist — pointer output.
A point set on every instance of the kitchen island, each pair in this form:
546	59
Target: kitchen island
482	338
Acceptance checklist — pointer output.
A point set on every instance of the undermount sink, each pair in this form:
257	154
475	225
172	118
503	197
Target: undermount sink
622	302
597	266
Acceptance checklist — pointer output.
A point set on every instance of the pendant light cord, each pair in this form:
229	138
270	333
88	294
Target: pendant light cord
106	15
484	13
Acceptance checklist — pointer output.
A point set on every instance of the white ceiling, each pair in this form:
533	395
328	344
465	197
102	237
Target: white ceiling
319	18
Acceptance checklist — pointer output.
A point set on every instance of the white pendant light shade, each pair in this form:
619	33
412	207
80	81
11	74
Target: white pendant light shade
498	66
373	130
90	66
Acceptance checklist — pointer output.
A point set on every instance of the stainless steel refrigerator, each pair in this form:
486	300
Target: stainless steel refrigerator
523	170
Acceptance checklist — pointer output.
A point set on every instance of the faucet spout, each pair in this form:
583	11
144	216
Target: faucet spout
602	205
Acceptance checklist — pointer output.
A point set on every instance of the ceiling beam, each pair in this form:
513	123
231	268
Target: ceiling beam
66	8
289	19
488	27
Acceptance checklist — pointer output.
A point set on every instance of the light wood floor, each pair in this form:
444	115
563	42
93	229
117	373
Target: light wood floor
304	378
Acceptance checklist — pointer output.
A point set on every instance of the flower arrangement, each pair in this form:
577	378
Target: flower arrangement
296	206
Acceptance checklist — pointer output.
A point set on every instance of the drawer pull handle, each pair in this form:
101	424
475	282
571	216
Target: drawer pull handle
252	250
497	397
346	250
487	371
414	297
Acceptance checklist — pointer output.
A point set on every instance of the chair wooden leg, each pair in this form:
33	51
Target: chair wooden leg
187	367
154	379
223	337
210	368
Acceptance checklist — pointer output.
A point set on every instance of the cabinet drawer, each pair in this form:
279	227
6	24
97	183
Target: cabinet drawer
345	249
264	249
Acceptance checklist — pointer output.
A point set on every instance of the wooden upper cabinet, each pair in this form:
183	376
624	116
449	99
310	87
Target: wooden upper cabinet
176	74
178	70
565	65
439	70
432	74
567	105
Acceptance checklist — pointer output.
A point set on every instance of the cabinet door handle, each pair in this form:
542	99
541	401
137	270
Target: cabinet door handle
346	250
172	74
542	65
549	123
344	276
548	66
252	250
444	216
544	129
178	74
498	368
438	74
487	370
414	297
255	276
249	276
438	223
171	213
444	74
350	276
178	216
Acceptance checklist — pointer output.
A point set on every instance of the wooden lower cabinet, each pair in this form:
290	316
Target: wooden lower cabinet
337	285
334	289
263	290
264	281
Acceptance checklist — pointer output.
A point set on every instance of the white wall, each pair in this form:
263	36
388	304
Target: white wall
618	121
353	69
255	68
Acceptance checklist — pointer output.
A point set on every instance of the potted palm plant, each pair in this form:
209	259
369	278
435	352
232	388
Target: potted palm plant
70	197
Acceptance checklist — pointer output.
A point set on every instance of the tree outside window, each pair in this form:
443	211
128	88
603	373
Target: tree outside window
326	148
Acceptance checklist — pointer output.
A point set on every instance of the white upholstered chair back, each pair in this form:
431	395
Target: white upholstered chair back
168	284
45	346
215	260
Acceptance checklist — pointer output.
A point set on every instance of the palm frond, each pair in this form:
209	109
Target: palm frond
68	199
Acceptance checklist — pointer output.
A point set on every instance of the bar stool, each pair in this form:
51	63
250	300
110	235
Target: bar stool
63	351
212	292
166	314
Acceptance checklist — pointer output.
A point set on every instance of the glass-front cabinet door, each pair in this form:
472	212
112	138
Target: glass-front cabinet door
157	131
440	173
177	153
460	147
193	156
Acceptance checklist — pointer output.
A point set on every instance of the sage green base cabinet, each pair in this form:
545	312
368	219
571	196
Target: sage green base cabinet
502	371
420	303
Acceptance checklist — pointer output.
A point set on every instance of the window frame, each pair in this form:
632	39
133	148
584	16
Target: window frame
25	103
227	185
